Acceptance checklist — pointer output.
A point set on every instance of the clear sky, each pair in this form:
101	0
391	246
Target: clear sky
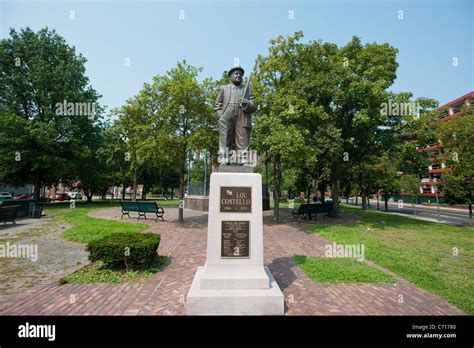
431	36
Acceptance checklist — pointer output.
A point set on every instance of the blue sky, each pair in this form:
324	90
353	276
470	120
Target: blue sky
213	33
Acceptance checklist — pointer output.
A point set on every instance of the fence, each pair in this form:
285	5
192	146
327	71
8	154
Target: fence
198	189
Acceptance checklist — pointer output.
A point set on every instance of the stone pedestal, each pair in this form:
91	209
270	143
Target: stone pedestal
234	281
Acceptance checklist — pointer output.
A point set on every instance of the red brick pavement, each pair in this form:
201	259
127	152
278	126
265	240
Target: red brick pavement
186	246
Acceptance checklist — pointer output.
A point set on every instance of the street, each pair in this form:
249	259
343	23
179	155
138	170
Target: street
451	216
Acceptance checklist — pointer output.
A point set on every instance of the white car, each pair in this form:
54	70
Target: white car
5	195
75	195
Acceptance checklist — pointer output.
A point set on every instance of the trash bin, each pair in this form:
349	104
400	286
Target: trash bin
36	210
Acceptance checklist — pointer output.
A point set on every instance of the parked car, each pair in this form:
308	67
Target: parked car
23	196
75	195
60	197
5	195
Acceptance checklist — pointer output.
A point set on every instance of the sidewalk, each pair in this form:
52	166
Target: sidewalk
185	244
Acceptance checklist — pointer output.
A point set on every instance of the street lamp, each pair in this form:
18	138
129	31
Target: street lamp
189	173
205	174
437	202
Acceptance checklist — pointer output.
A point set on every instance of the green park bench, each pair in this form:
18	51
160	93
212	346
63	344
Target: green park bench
150	207
127	207
8	214
142	208
308	210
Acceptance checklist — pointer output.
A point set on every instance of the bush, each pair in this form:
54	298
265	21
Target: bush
130	251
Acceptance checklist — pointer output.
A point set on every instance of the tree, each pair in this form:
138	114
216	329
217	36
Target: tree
167	120
276	132
328	97
458	140
39	72
409	183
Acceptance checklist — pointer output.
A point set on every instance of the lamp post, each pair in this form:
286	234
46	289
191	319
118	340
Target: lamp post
437	202
189	173
205	174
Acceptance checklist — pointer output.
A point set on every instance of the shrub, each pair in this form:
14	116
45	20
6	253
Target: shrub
130	251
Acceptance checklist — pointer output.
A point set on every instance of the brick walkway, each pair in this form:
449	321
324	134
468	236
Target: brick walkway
186	246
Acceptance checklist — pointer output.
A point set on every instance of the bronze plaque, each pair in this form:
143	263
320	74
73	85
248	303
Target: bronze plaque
236	199
235	239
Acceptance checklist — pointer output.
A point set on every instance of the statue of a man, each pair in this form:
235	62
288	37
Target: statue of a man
234	105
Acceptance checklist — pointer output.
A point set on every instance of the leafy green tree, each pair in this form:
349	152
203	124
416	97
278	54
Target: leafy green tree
38	140
328	98
458	139
167	120
276	132
410	183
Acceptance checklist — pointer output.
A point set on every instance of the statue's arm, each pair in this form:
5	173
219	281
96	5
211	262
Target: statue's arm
251	105
219	102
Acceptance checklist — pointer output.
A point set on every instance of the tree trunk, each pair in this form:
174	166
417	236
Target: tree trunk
314	185
308	200
364	201
89	196
335	193
357	199
37	189
470	212
378	203
347	200
144	192
123	192
368	201
386	201
276	191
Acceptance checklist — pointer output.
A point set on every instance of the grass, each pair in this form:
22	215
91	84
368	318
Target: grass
436	257
86	228
96	273
341	270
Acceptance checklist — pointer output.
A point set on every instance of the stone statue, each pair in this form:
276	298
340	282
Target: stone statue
233	109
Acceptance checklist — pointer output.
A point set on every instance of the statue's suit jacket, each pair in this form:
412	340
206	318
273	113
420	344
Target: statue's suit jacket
222	103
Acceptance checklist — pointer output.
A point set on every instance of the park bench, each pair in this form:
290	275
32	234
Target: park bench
307	210
142	208
8	214
150	207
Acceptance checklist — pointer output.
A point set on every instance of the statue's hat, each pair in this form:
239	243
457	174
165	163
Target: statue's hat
235	68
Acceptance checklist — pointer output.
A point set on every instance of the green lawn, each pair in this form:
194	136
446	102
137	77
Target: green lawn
420	251
341	270
86	228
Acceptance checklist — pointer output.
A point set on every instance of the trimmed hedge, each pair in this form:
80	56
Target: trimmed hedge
130	251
